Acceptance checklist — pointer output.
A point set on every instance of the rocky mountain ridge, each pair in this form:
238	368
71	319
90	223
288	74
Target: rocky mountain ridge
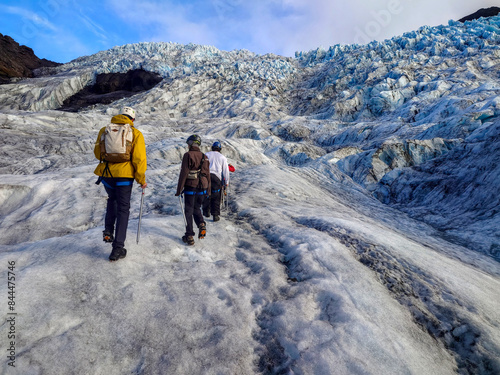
17	61
483	12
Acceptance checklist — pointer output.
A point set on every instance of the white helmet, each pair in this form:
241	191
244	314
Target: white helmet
129	112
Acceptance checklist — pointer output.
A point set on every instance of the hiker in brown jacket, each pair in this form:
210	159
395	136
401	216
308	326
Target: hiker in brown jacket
194	183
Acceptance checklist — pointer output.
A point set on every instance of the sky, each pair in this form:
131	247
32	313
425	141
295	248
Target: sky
62	30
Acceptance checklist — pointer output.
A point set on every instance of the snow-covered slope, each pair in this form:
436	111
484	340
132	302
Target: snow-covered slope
361	234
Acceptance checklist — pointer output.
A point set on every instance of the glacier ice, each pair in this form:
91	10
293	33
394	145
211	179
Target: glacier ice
323	267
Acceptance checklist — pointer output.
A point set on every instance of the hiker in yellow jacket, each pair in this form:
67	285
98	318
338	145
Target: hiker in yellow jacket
117	171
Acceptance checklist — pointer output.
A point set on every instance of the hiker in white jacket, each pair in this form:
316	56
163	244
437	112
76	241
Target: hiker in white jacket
219	175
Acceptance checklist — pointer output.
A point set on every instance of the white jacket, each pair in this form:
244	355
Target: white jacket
218	165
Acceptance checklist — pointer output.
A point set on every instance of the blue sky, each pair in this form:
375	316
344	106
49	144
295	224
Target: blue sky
62	30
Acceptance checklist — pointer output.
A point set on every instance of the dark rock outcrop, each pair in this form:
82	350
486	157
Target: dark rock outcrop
18	61
483	12
110	87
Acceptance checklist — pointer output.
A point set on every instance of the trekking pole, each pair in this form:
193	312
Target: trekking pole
140	216
227	198
182	209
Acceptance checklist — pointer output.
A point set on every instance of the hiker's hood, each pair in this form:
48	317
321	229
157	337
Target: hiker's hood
121	119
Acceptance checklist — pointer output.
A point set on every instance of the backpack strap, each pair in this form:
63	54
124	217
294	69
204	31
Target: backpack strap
107	170
203	158
200	174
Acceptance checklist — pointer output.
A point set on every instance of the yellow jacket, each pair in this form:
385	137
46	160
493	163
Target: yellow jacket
136	167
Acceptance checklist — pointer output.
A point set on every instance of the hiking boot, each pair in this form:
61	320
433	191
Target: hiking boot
107	236
188	240
206	213
216	217
117	253
203	230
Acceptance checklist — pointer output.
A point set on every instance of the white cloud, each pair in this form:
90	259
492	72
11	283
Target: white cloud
95	28
163	21
28	15
308	24
284	26
262	26
287	26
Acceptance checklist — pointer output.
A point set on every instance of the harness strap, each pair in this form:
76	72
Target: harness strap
119	183
195	192
124	183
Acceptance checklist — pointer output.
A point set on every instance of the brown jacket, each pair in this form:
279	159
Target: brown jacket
191	161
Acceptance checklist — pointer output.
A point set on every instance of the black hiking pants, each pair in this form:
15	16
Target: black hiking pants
193	200
211	205
118	209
